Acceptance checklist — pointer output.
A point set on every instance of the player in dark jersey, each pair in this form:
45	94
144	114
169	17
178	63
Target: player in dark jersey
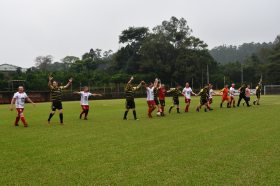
175	96
258	93
129	96
204	97
56	97
156	98
161	95
242	95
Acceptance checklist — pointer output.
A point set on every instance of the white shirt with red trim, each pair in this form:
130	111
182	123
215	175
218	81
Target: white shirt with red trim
150	94
84	97
20	99
187	92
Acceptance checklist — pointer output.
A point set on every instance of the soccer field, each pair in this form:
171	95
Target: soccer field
237	146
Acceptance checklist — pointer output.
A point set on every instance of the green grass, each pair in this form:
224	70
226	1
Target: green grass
238	146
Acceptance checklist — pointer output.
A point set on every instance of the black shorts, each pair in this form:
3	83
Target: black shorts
156	101
203	101
56	105
130	104
162	103
176	102
258	95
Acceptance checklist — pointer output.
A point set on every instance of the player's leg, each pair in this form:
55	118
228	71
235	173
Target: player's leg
239	100
178	106
86	111
61	115
53	109
22	118
17	118
83	111
170	109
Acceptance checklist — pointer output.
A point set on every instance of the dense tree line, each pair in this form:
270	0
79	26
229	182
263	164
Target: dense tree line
168	51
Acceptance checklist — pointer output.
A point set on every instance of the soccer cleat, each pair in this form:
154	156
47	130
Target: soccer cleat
16	125
254	102
197	109
221	105
205	110
25	125
125	119
211	109
85	119
136	119
80	116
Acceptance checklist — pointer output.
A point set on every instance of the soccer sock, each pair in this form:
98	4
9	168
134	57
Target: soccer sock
86	113
23	120
17	120
61	117
82	113
125	114
134	114
178	110
170	109
187	108
50	117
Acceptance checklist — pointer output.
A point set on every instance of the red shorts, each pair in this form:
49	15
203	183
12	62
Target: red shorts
20	110
225	98
187	100
151	103
85	107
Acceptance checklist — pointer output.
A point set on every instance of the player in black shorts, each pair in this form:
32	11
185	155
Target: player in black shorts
56	97
175	96
204	96
258	93
129	96
156	96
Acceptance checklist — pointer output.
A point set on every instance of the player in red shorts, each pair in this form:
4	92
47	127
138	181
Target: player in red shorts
84	101
161	96
225	92
19	100
187	92
150	97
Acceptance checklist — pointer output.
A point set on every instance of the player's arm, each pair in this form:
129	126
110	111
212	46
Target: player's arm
30	101
94	94
50	82
138	86
130	80
170	90
12	103
68	84
156	83
76	92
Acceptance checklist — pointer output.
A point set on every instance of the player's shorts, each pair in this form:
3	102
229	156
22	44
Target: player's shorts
176	101
162	103
156	101
56	105
130	104
203	101
210	100
20	110
187	100
225	98
85	107
151	103
258	95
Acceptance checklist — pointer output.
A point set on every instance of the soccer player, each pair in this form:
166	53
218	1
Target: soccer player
19	100
150	97
224	92
203	98
85	94
242	95
161	95
232	92
156	97
258	93
211	94
175	96
187	92
129	96
56	98
247	94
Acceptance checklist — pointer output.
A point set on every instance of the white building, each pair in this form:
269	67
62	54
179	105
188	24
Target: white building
10	68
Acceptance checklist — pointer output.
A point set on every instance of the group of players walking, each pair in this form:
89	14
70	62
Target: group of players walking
156	92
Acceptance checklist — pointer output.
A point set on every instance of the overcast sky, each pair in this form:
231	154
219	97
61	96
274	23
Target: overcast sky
30	28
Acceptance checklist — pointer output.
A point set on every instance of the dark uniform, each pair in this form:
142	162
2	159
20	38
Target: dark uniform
258	91
242	95
129	96
176	93
204	96
56	98
156	96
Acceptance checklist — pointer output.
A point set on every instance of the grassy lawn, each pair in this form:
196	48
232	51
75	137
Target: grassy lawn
238	146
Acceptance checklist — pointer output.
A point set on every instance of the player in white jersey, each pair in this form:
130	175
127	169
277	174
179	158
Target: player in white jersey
187	92
85	94
19	100
211	94
232	92
150	97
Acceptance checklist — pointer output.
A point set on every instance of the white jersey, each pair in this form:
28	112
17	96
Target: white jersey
150	94
187	92
211	93
232	91
84	97
20	99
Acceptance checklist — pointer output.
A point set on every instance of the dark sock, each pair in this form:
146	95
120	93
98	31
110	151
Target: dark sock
86	113
50	117
61	117
178	110
82	114
134	114
170	109
125	114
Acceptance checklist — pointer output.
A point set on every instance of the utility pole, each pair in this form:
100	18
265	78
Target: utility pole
207	74
241	73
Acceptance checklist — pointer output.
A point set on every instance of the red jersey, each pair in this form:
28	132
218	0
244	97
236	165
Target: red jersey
225	92
161	93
